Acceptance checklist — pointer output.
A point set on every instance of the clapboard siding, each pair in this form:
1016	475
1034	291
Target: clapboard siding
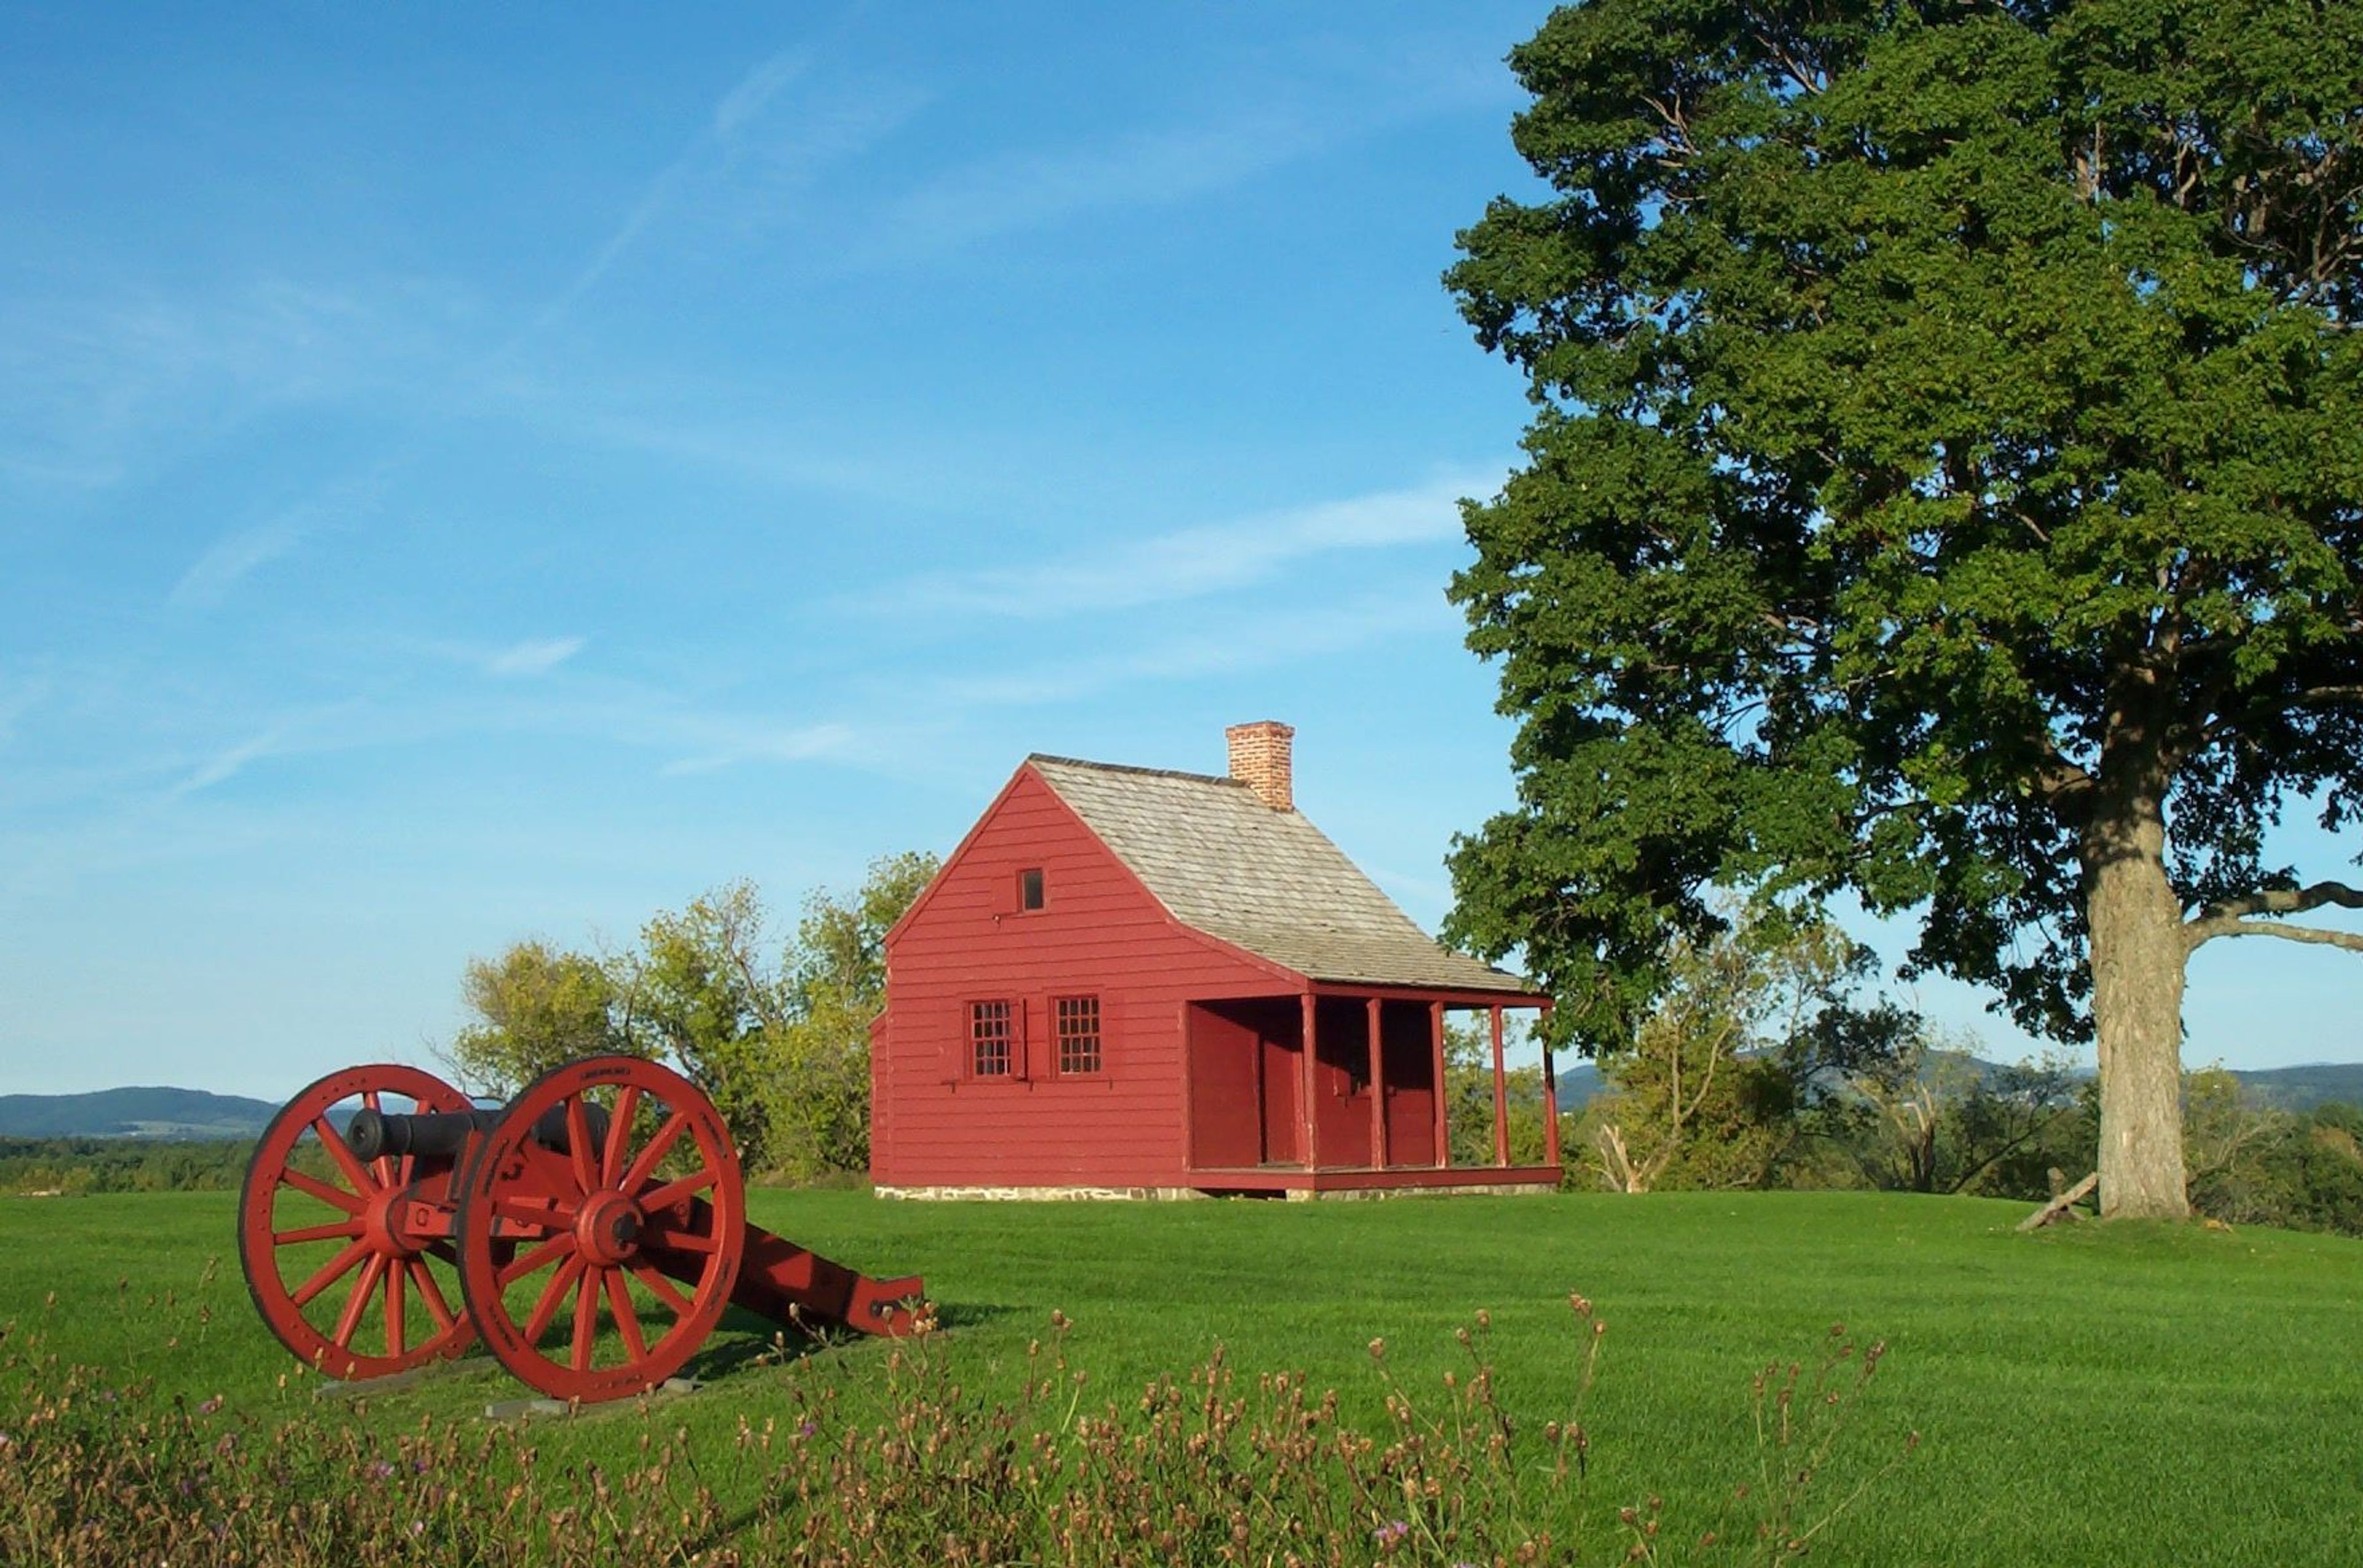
1099	933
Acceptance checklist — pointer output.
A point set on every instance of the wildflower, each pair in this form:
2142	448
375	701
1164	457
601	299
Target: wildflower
1393	1530
210	1405
381	1471
806	1429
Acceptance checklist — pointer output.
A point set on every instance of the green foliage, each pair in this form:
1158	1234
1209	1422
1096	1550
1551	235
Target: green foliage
1469	1098
535	1009
1710	1089
2253	1164
1947	460
835	982
779	1043
65	1166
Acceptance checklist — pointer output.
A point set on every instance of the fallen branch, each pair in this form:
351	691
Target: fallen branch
2061	1205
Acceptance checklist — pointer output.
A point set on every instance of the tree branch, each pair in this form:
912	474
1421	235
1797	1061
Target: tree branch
2351	940
2232	916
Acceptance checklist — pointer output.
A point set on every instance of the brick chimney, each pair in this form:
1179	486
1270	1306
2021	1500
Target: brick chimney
1260	760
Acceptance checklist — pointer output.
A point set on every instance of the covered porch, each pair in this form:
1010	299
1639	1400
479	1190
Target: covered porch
1364	1109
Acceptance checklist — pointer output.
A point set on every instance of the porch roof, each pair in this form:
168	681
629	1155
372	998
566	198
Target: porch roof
1223	862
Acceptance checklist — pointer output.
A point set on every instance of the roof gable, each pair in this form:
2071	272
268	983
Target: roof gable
1269	881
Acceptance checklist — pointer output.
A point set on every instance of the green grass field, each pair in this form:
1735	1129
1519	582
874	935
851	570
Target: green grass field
2117	1394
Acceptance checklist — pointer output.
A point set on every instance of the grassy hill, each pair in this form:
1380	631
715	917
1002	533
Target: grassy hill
133	1113
2123	1394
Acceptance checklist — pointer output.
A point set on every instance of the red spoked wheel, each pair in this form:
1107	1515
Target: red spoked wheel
350	1262
614	1188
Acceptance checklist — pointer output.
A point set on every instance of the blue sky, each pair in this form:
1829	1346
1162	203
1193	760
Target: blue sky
466	473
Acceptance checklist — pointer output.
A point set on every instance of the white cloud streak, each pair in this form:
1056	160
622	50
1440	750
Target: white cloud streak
1228	647
231	559
1197	561
538	656
1149	168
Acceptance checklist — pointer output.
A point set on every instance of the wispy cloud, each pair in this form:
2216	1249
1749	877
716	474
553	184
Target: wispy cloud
19	697
538	656
1225	647
1192	563
231	559
225	765
765	743
1021	190
237	554
760	141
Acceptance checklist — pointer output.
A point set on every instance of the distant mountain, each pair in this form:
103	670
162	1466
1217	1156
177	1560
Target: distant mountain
2296	1089
2303	1088
134	1113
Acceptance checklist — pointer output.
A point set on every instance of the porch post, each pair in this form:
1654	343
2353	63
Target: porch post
1501	1095
1436	1049
1378	1091
1550	1092
1304	1086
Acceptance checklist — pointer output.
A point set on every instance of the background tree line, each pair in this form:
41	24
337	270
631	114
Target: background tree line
777	1036
1764	1065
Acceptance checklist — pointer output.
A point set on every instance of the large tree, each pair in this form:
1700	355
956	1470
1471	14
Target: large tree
1946	483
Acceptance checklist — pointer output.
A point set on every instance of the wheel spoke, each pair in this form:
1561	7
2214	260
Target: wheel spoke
396	1338
552	1295
587	1318
645	1166
358	1302
577	1147
432	1293
313	1186
342	1153
619	1134
661	1288
671	1192
335	1231
525	1263
332	1271
628	1322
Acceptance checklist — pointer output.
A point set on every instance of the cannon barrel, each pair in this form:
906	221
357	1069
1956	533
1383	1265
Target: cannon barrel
441	1135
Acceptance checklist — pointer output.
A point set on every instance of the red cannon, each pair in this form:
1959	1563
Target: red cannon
590	1231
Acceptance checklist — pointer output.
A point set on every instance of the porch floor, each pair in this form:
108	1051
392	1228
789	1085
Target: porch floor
1369	1178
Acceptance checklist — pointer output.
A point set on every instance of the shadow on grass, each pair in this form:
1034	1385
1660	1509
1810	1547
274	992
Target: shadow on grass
744	1339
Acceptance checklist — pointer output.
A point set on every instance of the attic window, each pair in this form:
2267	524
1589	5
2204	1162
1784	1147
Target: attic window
1029	888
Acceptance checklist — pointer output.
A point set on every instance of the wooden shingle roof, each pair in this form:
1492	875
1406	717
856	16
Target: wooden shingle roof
1224	863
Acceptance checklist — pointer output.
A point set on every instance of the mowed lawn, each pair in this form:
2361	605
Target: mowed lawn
2088	1394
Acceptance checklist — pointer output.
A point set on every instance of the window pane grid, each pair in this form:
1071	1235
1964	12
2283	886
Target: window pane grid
989	1039
1078	1021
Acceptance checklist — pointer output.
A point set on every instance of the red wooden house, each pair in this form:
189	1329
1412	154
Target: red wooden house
1131	981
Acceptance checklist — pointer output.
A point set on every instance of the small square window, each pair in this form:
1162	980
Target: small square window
1078	1021
1029	888
988	1039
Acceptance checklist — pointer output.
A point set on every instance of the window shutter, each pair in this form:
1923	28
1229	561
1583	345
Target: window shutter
1021	1039
955	1047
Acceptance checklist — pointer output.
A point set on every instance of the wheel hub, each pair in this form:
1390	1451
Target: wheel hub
608	1229
380	1219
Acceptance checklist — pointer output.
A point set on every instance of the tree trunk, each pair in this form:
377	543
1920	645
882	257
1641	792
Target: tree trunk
2137	957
